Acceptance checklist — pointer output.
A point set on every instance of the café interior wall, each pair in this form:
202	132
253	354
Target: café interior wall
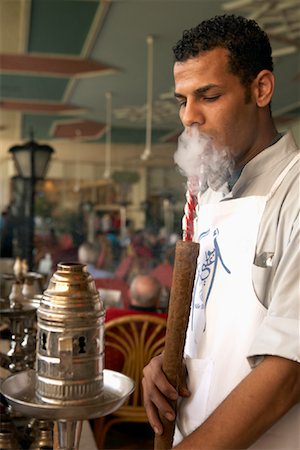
76	163
134	211
79	161
88	172
6	172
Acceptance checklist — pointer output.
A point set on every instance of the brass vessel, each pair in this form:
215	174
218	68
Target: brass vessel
70	338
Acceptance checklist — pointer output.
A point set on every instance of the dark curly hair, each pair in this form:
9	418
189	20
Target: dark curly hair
248	45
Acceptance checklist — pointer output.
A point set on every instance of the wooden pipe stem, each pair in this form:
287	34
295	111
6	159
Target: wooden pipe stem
185	265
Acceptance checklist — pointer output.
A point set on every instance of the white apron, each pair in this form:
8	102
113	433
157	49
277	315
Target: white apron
221	326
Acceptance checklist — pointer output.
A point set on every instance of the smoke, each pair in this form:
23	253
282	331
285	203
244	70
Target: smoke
200	161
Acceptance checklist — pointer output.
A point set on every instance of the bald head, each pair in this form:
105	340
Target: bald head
145	291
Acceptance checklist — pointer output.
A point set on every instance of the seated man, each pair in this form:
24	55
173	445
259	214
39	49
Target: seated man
144	297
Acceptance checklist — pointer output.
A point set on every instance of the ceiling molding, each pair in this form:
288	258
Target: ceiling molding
78	129
51	35
25	7
95	29
50	65
40	107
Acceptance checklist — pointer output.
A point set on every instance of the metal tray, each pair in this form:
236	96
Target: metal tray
19	390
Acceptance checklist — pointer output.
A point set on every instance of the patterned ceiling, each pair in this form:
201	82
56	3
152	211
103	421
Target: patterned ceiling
60	58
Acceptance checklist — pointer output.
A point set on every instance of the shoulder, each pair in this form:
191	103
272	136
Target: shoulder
276	161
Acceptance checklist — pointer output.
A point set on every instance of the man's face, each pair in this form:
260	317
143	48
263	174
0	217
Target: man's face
214	100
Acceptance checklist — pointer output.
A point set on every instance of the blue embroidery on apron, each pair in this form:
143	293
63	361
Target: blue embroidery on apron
211	259
207	272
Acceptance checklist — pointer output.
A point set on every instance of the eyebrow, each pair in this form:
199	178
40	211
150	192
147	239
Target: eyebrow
198	92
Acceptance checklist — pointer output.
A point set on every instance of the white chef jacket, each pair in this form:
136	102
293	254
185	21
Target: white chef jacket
275	281
276	266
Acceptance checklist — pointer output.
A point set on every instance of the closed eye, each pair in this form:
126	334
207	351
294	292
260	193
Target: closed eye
211	98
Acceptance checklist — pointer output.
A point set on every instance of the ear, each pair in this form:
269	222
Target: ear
263	88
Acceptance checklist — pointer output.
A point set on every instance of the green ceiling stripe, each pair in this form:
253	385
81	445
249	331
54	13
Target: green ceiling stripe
32	87
42	123
60	26
133	135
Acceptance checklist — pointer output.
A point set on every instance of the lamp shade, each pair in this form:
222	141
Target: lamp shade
31	159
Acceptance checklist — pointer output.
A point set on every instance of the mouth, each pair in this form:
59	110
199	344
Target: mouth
198	156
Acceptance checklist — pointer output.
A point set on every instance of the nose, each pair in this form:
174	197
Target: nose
191	114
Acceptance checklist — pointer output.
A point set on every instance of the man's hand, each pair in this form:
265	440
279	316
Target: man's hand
158	392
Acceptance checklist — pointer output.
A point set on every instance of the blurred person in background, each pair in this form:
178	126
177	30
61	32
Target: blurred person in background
144	297
88	254
145	291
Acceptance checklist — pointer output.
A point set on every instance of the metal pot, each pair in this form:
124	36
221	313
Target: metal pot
70	338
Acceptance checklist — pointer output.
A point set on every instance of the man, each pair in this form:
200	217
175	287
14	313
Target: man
145	293
242	344
144	297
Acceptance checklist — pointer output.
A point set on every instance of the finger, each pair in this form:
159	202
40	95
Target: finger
151	409
162	404
166	388
153	417
155	375
183	390
154	401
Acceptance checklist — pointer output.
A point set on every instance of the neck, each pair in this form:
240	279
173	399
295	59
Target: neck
269	136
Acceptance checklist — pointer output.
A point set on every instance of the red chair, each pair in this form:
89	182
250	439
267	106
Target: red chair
130	342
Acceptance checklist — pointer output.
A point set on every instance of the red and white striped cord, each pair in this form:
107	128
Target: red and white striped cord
189	216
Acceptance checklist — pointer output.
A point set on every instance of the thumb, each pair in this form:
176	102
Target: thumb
183	390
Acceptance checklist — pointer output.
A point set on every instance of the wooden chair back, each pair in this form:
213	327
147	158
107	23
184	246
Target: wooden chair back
131	341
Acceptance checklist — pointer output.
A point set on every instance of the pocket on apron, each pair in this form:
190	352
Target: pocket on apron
260	282
194	409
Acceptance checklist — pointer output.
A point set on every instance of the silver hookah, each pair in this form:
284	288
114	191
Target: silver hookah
22	293
19	311
69	383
